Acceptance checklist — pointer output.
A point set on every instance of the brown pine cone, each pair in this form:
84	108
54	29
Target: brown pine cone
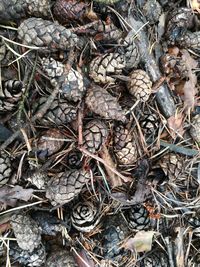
36	258
11	93
49	143
189	40
103	67
85	216
5	168
60	112
26	231
71	84
172	165
130	50
177	21
139	85
46	34
95	135
124	145
61	258
149	123
195	128
14	10
66	186
102	103
107	32
68	11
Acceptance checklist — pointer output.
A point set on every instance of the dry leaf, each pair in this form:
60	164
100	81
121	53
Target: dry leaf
10	195
175	124
141	242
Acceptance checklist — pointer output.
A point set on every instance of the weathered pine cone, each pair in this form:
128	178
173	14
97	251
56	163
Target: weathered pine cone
130	50
68	11
46	34
60	112
5	168
156	259
177	21
26	231
103	67
138	218
149	123
36	258
172	165
74	159
12	91
102	103
14	10
49	143
152	11
85	216
189	40
71	84
124	145
37	178
60	258
195	128
66	186
139	85
107	32
95	135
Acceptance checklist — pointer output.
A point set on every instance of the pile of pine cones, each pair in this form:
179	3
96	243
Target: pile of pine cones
81	125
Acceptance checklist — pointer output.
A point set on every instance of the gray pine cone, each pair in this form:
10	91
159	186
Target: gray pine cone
27	231
14	10
61	258
71	84
63	188
46	34
5	168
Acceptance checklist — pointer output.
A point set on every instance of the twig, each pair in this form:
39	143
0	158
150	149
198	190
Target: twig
44	108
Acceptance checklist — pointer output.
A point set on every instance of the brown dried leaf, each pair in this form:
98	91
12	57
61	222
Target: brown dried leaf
175	124
9	196
141	242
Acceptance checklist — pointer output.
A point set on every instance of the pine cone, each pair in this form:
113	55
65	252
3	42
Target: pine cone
49	143
124	146
46	34
177	21
138	218
149	123
37	178
85	216
66	186
68	11
139	85
14	10
71	84
152	11
95	135
189	40
172	165
36	258
102	103
107	32
5	168
103	67
107	2
60	112
195	128
130	50
61	258
155	259
48	222
12	91
74	159
26	231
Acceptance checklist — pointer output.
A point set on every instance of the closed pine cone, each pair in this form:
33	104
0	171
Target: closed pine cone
95	135
139	85
124	145
27	232
5	168
61	258
71	83
195	128
103	67
14	10
63	188
46	34
104	104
